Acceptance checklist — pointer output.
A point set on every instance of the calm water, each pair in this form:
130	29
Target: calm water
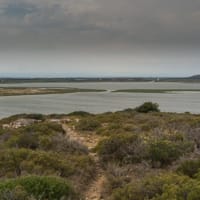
100	102
112	85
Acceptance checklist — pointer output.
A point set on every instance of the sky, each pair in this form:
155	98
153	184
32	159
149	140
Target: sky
92	38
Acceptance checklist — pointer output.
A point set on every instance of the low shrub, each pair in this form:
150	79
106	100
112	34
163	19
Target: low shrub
164	152
44	136
37	187
189	168
117	176
62	144
18	162
80	113
88	124
24	116
35	116
132	148
47	128
148	107
18	193
122	148
160	187
110	129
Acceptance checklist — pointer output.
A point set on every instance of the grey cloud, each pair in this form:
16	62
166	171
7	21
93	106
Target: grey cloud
100	37
95	21
18	9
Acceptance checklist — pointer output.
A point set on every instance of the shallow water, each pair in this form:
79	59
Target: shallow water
103	101
112	85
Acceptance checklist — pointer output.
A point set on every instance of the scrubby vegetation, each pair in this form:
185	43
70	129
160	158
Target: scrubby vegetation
189	168
122	149
18	162
132	148
88	124
148	107
30	155
164	152
147	154
41	136
36	187
143	153
161	187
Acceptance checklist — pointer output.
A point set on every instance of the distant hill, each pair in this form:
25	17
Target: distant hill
195	77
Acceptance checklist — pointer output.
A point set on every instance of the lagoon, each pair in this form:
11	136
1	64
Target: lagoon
98	102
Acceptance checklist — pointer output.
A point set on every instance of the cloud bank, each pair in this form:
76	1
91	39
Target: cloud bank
101	27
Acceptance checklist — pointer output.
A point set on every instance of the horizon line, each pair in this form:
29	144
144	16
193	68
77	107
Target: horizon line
90	77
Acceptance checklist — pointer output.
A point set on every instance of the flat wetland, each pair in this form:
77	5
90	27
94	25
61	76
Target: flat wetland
157	90
96	97
16	91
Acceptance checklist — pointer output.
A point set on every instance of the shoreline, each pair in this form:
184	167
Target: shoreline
20	91
165	91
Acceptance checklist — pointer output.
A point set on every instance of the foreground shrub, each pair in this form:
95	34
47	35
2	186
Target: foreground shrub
48	128
148	107
164	152
18	162
41	136
127	148
189	167
62	144
161	187
25	188
15	162
88	124
132	148
24	116
117	176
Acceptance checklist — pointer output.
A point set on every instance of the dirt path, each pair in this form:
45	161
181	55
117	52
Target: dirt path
89	140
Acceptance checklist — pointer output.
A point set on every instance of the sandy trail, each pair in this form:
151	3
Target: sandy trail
89	140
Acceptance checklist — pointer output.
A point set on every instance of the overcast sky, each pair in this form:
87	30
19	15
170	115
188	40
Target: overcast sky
99	37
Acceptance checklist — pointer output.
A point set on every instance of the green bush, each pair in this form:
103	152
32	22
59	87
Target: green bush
148	107
42	136
35	116
61	144
132	148
185	189
146	189
45	128
160	187
80	113
122	148
88	124
189	167
17	162
164	152
23	140
51	188
117	176
18	193
112	128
